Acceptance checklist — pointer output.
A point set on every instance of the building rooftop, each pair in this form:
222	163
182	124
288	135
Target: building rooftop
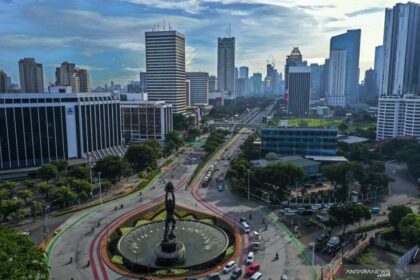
352	139
294	160
328	158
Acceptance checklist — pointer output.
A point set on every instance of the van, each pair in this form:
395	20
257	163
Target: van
245	227
255	245
256	276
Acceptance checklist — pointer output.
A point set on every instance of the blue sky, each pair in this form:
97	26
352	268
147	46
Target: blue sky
107	36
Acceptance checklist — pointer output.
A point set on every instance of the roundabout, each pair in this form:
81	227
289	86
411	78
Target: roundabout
202	243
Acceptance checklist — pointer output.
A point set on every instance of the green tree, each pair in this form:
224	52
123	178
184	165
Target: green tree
79	172
5	194
343	127
18	215
24	194
248	150
61	165
10	186
8	207
47	171
141	157
37	209
348	214
45	189
155	145
112	168
397	213
64	196
19	257
181	122
193	132
30	184
409	228
413	165
173	141
80	185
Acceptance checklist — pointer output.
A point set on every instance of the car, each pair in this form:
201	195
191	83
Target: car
250	258
322	237
283	276
289	212
217	168
334	241
220	188
256	235
254	267
255	245
26	233
375	210
242	219
300	210
229	267
256	276
245	227
213	276
237	272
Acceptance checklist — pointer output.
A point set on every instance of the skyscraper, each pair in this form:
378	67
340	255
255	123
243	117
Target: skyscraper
226	65
401	69
244	74
3	82
294	59
142	81
379	63
299	86
350	42
165	68
187	93
370	92
199	82
69	75
336	95
84	83
316	76
256	84
31	76
212	83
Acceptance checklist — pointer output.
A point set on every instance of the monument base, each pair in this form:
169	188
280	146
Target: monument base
168	253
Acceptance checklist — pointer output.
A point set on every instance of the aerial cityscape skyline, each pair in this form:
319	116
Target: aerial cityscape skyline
113	47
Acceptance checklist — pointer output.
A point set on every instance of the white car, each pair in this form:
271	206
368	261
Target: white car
250	258
229	266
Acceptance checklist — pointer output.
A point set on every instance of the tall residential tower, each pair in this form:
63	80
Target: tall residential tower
31	76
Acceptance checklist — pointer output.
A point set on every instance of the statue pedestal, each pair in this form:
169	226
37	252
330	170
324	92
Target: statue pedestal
169	252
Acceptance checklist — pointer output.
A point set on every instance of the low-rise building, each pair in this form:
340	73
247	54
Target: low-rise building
142	119
309	167
40	128
299	141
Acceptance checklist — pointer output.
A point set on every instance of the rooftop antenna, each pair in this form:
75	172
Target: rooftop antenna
229	30
158	26
170	28
164	24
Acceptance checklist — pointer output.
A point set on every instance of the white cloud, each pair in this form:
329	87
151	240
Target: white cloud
190	6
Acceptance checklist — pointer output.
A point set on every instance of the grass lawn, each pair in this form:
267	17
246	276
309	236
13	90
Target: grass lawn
314	122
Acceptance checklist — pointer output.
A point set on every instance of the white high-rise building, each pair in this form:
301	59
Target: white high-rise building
401	67
336	92
398	116
165	68
199	87
226	66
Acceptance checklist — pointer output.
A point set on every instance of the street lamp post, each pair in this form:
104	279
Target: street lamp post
248	186
312	244
100	187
